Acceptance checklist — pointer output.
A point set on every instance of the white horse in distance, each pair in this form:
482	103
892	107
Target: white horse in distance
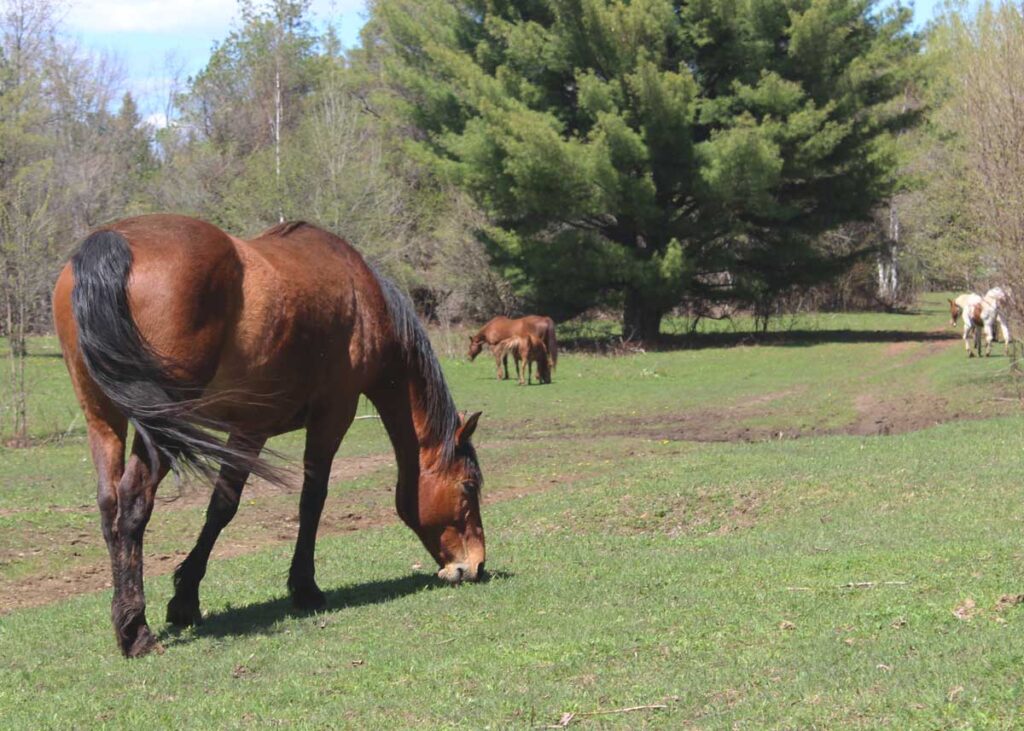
980	315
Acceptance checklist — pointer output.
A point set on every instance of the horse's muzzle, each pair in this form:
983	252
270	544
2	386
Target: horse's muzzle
456	573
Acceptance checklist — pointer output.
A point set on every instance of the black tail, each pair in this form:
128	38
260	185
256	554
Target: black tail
124	366
552	343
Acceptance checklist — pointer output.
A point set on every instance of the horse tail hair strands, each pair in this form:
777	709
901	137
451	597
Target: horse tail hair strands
134	377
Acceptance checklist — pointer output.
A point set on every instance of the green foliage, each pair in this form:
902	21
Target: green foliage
231	101
586	127
631	566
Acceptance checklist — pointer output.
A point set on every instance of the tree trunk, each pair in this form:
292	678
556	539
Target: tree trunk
888	273
641	320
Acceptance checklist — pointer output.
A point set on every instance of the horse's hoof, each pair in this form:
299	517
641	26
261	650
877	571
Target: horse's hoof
144	644
184	612
309	599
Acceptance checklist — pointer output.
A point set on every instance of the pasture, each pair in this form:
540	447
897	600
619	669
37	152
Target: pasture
820	530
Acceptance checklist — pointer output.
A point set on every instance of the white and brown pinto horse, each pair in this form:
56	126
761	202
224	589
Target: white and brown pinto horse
980	315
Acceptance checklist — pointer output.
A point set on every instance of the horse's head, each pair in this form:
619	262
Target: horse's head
539	353
449	505
954	312
476	344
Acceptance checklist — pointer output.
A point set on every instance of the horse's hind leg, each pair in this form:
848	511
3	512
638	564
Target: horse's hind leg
135	492
323	437
107	434
124	497
183	609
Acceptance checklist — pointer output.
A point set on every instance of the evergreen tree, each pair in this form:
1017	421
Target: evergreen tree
642	151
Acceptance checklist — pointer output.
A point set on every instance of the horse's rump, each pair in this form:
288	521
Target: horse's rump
186	328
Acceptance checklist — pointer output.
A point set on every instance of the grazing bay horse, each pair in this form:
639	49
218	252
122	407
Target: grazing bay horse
502	328
174	326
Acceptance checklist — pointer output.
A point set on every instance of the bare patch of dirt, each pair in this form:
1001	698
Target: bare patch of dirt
877	414
897	414
895	349
918	351
269	513
724	424
268	516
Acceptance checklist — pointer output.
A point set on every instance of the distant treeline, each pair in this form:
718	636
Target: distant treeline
552	155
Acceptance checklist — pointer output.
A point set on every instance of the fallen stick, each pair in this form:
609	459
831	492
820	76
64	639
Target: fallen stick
869	584
651	707
569	716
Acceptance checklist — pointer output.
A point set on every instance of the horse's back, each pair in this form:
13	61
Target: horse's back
272	317
313	323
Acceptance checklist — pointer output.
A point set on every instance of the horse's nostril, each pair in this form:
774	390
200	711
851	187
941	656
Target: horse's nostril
480	570
460	572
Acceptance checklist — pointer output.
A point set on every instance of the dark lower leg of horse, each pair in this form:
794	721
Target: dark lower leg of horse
306	595
324	432
183	609
128	609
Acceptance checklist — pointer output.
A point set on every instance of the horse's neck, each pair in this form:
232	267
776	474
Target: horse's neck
402	409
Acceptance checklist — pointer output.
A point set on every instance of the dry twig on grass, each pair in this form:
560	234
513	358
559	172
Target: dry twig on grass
569	716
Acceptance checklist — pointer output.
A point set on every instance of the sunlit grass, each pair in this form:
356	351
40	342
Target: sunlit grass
829	581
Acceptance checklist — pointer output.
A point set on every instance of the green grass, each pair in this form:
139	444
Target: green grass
631	566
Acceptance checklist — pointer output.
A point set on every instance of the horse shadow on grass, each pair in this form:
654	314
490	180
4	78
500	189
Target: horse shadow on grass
261	617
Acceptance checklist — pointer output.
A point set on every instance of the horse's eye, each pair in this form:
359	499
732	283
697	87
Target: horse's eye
469	487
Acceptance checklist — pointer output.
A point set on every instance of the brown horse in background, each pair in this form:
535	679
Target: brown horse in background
502	328
528	349
177	327
532	349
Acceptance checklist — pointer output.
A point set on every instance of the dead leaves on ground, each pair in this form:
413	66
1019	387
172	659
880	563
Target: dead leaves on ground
967	609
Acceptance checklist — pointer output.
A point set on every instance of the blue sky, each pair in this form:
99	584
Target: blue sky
155	40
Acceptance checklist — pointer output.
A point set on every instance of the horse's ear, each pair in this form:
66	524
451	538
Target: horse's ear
467	425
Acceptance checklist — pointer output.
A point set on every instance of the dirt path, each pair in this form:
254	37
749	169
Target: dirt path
269	514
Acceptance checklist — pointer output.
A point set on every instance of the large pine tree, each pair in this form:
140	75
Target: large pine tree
644	151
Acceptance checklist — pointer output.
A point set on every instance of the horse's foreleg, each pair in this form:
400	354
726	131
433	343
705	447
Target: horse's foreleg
988	339
1004	329
968	332
135	492
500	357
323	437
183	609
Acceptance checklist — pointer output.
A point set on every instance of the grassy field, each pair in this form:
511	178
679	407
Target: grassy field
819	531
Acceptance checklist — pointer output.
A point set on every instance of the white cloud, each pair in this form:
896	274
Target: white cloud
160	16
149	16
157	120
